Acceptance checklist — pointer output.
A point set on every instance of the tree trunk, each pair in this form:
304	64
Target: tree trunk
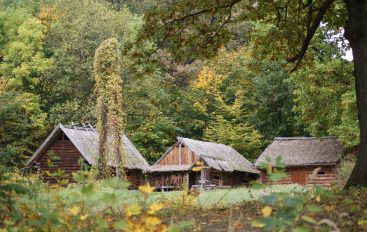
356	33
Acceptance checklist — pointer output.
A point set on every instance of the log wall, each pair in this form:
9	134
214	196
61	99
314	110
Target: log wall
68	159
230	178
174	179
303	176
135	177
173	157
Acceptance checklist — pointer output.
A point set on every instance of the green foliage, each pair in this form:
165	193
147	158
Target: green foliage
22	126
240	136
23	63
110	118
72	41
24	59
325	101
271	99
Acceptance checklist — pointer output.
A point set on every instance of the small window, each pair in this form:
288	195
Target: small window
321	173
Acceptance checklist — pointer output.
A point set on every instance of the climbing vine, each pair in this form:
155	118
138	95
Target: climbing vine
110	119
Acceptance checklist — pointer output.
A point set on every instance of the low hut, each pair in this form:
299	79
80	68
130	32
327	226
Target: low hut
221	166
76	147
308	160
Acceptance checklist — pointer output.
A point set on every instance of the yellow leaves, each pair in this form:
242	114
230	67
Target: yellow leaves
146	189
257	224
133	210
269	168
199	165
153	220
83	217
75	210
330	207
208	80
155	207
197	169
318	198
308	219
48	15
266	211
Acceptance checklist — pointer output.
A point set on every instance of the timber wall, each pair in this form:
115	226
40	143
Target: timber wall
135	177
173	157
68	159
175	179
303	176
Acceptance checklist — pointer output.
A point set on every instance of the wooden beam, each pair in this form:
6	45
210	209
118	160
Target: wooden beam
179	154
202	179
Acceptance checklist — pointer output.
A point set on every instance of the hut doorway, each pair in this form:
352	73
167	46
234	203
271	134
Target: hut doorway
299	177
192	179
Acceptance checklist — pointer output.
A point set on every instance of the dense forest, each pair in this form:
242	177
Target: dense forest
82	74
238	91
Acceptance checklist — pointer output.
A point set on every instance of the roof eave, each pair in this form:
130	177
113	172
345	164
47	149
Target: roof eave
45	143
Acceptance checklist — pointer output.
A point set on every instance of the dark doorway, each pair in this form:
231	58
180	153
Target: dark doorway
192	179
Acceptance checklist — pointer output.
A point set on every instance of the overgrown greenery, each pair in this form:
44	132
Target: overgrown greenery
110	118
237	96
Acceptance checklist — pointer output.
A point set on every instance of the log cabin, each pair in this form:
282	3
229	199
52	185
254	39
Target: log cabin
76	147
308	160
222	166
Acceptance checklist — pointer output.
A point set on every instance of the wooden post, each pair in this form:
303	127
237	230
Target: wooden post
202	179
179	154
117	172
188	181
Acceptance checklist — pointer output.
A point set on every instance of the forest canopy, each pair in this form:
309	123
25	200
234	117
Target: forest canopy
239	93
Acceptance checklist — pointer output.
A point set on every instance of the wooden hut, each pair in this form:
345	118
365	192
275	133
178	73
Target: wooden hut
222	166
308	160
77	146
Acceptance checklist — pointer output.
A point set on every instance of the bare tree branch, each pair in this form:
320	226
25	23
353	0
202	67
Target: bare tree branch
193	15
310	33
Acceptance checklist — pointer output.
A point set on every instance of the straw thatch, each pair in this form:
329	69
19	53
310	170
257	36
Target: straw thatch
170	168
217	156
85	139
303	151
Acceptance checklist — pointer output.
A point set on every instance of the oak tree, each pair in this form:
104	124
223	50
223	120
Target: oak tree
197	28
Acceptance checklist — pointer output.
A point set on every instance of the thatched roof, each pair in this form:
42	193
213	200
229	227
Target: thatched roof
170	168
217	156
303	151
85	139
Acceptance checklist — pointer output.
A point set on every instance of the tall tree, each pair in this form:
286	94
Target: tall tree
22	63
72	39
292	26
110	118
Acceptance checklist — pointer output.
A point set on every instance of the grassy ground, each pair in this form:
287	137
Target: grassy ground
225	197
107	196
215	210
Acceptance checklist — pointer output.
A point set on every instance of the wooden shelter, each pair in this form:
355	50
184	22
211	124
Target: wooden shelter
77	146
308	160
222	166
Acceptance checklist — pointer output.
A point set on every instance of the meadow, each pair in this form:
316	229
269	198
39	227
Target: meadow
93	204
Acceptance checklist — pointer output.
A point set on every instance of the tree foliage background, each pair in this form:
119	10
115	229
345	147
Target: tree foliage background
230	85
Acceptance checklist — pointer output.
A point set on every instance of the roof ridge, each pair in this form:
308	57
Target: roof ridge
305	138
211	142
